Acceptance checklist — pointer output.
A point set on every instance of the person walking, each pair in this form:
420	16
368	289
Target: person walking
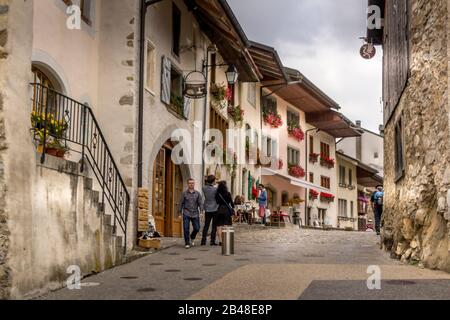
211	207
262	201
377	205
226	208
191	207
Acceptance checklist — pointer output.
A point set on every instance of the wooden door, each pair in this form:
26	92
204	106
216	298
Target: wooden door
177	222
159	191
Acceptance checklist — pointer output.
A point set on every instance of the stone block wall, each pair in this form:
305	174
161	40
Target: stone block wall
416	218
5	281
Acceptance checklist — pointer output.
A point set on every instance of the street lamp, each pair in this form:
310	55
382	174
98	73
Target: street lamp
232	75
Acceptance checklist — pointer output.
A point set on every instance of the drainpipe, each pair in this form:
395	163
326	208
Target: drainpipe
143	11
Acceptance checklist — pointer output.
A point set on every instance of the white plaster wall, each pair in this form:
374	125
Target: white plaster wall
319	171
347	194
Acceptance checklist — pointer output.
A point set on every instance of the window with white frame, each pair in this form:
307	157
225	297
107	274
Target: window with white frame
150	66
251	93
343	208
341	175
293	157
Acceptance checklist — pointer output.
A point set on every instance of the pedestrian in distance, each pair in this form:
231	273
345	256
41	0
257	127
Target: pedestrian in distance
226	208
191	207
377	200
262	201
211	207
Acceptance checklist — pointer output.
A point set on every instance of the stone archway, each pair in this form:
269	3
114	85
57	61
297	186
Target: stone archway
166	181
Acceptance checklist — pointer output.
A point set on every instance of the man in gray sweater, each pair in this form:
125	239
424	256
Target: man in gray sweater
191	207
210	207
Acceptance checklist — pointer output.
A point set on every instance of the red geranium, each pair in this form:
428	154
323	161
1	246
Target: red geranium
327	161
274	120
297	171
296	132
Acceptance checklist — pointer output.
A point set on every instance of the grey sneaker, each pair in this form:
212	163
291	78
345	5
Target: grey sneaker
192	243
187	246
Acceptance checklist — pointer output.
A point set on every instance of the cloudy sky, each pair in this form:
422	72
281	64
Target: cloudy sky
321	39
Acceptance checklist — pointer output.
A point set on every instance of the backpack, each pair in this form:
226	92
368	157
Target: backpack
372	198
379	201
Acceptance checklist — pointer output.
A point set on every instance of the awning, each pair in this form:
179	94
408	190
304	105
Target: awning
367	176
333	123
294	181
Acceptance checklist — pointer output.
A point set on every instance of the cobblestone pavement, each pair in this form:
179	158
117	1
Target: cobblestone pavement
269	264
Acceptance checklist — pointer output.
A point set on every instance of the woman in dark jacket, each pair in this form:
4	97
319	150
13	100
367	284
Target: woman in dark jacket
226	208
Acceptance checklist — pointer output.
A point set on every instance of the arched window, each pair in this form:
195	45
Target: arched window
42	94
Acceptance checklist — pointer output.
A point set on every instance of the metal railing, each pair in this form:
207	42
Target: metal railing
60	119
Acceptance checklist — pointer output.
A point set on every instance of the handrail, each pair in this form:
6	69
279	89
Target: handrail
58	119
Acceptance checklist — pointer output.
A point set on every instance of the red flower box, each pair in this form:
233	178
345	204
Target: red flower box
296	132
297	172
327	162
314	157
274	120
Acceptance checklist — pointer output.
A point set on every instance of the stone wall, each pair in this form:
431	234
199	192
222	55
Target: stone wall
416	218
67	227
4	232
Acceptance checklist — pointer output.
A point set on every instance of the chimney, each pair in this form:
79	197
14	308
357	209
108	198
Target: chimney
358	123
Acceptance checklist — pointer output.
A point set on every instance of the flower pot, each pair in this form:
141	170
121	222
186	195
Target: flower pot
51	151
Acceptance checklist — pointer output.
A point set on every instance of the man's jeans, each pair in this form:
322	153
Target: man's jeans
210	216
378	212
187	225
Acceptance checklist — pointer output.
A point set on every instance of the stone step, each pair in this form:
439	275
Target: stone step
88	183
107	220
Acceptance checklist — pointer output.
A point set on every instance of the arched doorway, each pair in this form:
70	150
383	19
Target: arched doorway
166	193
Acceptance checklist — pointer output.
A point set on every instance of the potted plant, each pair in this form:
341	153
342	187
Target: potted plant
273	119
296	131
177	102
280	164
296	171
326	161
49	131
237	114
314	158
221	95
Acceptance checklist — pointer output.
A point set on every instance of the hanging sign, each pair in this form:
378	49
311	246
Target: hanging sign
194	86
368	51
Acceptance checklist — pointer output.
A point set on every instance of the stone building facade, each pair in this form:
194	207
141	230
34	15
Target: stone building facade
417	173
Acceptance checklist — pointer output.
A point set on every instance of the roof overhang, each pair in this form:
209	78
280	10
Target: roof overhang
268	62
218	22
333	123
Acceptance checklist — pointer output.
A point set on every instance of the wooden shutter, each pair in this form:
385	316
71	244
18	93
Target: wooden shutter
396	54
166	69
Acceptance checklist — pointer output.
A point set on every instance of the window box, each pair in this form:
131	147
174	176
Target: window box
314	158
296	132
273	119
297	172
327	162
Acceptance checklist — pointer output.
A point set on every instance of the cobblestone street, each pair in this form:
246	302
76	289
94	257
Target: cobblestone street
269	264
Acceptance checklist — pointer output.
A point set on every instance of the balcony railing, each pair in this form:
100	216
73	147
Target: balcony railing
81	134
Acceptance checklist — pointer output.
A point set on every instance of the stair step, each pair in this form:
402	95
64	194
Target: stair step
107	219
88	183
